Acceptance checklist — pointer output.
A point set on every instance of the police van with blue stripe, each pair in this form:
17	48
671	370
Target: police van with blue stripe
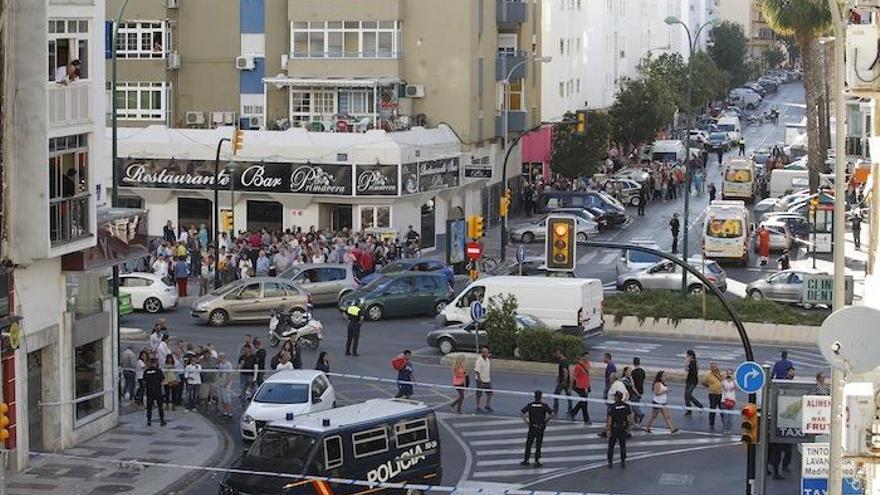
377	441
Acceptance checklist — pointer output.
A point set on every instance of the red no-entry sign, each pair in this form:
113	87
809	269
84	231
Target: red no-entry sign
474	250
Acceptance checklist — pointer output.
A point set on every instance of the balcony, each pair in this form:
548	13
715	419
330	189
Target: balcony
69	219
510	13
69	104
507	61
516	121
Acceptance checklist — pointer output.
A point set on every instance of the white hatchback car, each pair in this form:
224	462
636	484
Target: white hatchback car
283	396
148	291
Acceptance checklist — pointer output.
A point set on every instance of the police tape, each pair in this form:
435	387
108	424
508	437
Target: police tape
304	478
520	393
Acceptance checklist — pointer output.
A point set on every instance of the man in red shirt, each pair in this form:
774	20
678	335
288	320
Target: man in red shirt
581	385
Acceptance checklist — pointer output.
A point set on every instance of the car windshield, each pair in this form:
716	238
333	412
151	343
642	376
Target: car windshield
226	289
397	266
610	199
717	136
291	449
282	393
642	257
724	228
738	175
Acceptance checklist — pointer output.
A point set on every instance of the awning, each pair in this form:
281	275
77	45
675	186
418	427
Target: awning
331	82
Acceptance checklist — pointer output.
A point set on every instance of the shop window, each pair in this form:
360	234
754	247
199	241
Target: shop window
375	217
194	212
89	378
267	215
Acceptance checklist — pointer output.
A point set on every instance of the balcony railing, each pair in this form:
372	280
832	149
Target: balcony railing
511	12
507	61
69	219
380	54
69	103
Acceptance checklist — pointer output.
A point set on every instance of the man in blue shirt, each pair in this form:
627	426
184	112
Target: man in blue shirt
781	367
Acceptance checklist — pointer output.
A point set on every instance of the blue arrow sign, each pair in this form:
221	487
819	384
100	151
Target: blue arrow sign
478	312
749	377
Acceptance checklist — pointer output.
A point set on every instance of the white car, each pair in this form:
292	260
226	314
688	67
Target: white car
285	395
148	291
699	136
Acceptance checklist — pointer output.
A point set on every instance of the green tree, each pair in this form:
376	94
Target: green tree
774	57
501	324
643	107
709	81
671	71
576	156
728	49
804	21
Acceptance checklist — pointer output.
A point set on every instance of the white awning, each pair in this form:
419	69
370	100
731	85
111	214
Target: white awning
331	82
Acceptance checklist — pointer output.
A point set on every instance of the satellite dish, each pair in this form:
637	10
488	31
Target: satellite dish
846	338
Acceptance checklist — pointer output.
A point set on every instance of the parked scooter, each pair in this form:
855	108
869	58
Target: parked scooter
285	325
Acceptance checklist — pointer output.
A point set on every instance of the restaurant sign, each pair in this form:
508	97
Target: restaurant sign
376	180
439	174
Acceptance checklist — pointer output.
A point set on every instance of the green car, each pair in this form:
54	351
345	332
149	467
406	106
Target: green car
401	294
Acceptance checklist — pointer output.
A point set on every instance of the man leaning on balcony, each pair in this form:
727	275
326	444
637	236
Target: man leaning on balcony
67	73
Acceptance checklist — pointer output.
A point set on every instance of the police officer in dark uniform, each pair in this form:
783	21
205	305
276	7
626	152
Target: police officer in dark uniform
536	414
355	316
620	418
153	377
784	261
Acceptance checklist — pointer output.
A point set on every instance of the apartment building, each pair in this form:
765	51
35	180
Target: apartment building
58	239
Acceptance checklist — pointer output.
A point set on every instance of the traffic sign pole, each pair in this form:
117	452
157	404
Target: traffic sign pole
763	436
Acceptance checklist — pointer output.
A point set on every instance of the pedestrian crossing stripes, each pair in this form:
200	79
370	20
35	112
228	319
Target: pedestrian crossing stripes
496	445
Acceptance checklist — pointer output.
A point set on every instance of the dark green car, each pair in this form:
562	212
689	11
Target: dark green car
402	294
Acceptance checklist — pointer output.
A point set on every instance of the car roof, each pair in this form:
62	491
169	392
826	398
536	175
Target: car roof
151	276
410	274
373	410
306	266
294	376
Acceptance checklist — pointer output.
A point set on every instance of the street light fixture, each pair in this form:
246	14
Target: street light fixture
505	132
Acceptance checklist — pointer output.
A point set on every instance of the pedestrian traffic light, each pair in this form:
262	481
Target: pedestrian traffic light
504	207
4	421
750	420
560	244
237	141
580	127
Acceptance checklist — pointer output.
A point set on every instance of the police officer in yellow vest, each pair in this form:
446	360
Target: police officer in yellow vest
355	315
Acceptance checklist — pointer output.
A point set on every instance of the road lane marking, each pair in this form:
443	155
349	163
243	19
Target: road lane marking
519	431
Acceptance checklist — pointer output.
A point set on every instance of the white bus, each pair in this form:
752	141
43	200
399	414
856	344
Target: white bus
726	231
738	181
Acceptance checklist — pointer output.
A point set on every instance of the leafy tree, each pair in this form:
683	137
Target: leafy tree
709	81
671	71
804	21
576	156
728	49
501	324
643	107
774	57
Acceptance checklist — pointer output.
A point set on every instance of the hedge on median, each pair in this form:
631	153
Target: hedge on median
533	345
669	304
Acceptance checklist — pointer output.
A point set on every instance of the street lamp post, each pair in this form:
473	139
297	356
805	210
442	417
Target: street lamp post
692	40
217	213
505	131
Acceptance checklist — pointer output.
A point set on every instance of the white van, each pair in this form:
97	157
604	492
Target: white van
731	126
745	98
558	302
668	150
784	182
726	231
738	179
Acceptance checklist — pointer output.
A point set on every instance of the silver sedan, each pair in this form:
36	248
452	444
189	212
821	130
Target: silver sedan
666	275
537	230
786	286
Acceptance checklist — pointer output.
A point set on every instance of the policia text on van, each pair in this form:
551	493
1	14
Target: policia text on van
380	441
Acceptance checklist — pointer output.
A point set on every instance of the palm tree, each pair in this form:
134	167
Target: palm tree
804	21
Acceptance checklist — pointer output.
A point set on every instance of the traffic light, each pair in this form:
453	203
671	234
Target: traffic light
814	205
479	227
750	429
237	141
560	244
504	208
226	221
580	127
4	421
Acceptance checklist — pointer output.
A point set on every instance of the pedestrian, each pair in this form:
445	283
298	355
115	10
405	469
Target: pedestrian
323	363
856	224
405	376
742	146
643	198
287	347
459	381
764	245
169	233
634	396
784	261
659	401
170	381
128	361
728	400
674	227
691	381
139	367
638	379
153	378
260	358
224	383
163	350
483	377
284	363
712	191
354	313
536	414
617	426
563	381
720	155
180	369
713	382
610	369
581	386
822	387
247	365
193	375
181	275
781	366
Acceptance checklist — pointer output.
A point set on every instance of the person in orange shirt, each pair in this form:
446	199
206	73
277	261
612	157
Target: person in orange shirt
764	245
581	386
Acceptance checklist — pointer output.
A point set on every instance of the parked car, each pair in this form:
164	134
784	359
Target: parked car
764	206
148	292
699	136
666	275
411	265
798	225
630	173
587	213
761	156
631	260
785	286
326	282
250	299
625	190
780	236
536	230
719	141
613	209
533	266
295	392
403	293
473	336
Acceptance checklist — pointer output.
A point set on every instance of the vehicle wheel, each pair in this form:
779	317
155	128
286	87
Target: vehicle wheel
298	317
528	238
635	201
218	318
695	289
756	295
446	346
632	286
581	237
374	312
152	305
344	293
310	342
438	307
273	340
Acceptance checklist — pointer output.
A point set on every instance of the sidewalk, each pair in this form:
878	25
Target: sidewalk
189	439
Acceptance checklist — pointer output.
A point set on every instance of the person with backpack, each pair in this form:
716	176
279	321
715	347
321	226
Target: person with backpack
404	368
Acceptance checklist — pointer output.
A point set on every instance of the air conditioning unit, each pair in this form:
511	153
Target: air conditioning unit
415	91
244	63
284	59
195	118
172	4
229	118
254	122
217	118
173	60
863	59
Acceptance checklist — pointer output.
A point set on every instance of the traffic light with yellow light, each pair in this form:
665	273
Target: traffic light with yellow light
475	226
504	207
4	421
226	221
237	141
580	125
561	244
750	421
814	205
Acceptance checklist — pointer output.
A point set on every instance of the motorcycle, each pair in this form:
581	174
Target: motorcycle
294	325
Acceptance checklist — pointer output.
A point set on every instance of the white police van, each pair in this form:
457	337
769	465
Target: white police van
380	440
